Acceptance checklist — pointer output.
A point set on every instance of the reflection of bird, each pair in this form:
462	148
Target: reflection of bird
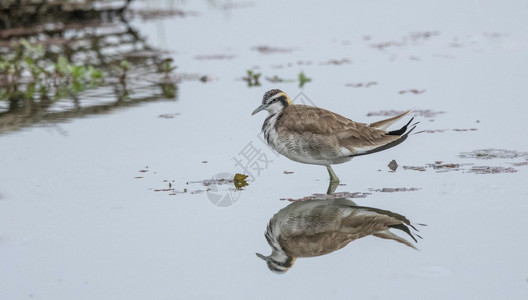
313	135
317	227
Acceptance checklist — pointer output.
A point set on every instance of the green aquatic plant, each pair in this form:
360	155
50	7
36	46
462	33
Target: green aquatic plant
96	76
169	90
303	79
166	67
125	65
26	72
277	79
252	79
168	87
121	90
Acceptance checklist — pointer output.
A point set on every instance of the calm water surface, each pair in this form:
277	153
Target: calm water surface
126	204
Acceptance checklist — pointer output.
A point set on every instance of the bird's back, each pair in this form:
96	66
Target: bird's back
318	229
327	136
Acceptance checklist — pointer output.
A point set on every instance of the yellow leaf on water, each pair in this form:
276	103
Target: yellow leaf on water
240	181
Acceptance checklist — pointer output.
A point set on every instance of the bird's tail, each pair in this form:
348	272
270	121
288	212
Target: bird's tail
391	236
402	132
384	124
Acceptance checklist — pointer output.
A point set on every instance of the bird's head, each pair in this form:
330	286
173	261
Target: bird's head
273	101
278	261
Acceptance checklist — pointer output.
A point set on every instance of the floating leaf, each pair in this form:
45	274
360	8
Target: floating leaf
240	181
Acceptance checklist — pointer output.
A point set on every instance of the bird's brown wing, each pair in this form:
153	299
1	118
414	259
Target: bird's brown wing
333	233
315	233
317	244
358	137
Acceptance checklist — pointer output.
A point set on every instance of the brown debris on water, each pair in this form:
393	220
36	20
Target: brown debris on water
465	129
415	168
412	38
149	14
485	154
168	116
493	153
277	79
215	57
361	84
424	113
392	190
239	181
445	167
272	50
393	165
442	168
491	170
233	184
166	190
423	35
411	91
427	113
435	130
198	191
384	45
304	62
439	166
337	62
519	164
290	64
208	182
455	129
174	192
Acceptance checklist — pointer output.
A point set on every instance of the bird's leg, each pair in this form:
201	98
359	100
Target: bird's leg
334	180
333	176
332	186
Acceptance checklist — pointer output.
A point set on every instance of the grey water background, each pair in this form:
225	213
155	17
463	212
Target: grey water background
118	205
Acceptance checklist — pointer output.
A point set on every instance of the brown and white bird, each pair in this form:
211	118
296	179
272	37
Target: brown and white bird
320	226
313	135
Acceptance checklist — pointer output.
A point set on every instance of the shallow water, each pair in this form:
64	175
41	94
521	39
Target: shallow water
131	204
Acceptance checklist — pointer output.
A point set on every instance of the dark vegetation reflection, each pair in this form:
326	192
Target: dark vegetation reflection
60	60
317	227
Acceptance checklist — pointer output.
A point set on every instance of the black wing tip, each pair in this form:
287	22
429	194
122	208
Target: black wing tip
403	130
403	227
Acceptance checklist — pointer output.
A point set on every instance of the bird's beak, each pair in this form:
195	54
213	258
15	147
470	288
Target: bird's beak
258	109
262	256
